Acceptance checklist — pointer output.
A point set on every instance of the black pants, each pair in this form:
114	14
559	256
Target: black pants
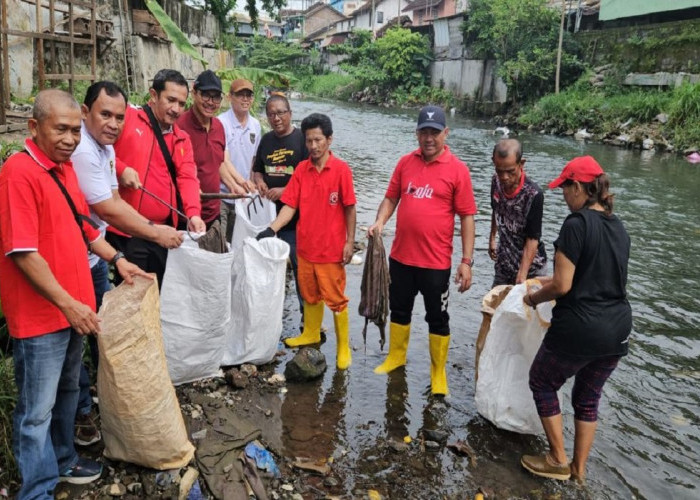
149	256
433	284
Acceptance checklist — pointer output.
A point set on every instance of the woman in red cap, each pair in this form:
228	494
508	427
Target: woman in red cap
591	321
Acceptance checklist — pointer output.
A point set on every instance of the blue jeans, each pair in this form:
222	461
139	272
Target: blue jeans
290	237
100	281
46	374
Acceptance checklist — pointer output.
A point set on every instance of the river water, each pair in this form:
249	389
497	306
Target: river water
648	441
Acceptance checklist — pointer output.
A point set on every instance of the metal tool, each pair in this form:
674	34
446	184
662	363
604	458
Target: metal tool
251	204
161	200
225	196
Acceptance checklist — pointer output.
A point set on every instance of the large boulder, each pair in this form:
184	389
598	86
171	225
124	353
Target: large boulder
308	364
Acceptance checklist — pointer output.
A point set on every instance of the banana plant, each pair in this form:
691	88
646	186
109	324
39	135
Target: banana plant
173	32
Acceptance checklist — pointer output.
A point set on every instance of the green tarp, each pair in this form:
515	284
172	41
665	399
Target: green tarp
616	9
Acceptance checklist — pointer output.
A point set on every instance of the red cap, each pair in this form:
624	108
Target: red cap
581	169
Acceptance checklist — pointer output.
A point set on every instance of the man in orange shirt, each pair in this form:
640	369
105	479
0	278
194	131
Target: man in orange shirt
321	189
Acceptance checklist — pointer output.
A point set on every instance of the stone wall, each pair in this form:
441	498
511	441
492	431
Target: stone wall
138	55
671	47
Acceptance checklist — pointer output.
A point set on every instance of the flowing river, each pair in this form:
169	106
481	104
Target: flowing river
648	440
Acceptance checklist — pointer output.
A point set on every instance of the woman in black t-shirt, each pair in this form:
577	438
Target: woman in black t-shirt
591	321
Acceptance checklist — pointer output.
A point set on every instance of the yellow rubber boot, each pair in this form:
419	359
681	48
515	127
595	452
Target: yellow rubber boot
313	317
342	335
439	345
398	345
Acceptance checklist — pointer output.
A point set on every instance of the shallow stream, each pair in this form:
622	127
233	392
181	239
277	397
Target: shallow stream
648	441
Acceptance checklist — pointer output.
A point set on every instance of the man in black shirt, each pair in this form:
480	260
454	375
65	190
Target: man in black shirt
517	204
279	153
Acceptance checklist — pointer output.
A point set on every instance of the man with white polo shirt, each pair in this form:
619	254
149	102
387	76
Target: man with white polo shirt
243	135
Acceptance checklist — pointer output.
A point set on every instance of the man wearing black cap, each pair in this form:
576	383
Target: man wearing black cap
429	186
207	136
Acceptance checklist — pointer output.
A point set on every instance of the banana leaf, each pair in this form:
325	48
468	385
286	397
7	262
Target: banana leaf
172	30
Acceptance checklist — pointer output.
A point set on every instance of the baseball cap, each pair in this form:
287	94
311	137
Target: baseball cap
581	169
207	80
241	84
431	117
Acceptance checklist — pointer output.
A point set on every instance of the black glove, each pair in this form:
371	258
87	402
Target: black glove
267	233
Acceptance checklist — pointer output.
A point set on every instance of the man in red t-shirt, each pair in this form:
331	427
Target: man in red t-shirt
47	293
321	189
429	186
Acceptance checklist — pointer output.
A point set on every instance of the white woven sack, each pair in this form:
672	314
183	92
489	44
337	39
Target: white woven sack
257	301
252	217
195	311
502	392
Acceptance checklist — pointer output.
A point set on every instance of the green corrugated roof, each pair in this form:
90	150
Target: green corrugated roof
615	9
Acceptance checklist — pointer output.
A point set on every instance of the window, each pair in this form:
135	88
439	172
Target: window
380	17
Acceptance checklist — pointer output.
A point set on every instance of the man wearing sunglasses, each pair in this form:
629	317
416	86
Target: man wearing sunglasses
243	134
208	141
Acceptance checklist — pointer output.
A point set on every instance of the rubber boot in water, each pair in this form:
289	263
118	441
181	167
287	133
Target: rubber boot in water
398	345
342	335
313	317
439	344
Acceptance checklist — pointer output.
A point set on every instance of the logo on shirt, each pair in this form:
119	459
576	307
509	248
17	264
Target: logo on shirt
333	198
419	192
139	131
111	166
252	137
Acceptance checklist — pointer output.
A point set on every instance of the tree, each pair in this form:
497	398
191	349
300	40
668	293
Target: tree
221	10
522	36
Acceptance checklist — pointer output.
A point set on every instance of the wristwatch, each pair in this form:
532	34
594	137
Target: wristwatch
468	261
117	256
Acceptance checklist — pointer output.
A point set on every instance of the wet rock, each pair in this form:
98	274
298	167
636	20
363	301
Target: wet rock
307	364
331	482
236	379
661	118
432	445
134	488
62	495
249	370
287	487
647	144
398	446
115	490
149	484
436	435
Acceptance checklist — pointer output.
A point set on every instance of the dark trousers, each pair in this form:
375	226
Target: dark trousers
433	285
149	256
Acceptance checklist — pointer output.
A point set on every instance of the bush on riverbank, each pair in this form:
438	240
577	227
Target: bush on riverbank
618	110
331	85
9	476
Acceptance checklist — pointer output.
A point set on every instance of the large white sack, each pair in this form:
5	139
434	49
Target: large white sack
257	300
195	310
252	216
502	392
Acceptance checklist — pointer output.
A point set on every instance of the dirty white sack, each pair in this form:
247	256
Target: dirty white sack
502	392
252	217
257	300
195	310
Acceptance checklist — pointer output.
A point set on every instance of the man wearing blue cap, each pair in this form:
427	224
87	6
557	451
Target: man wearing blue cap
429	186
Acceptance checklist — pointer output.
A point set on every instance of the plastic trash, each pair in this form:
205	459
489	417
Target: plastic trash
693	157
263	458
196	492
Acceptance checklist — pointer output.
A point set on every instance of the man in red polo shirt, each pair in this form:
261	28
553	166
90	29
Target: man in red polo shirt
138	148
47	293
321	189
429	186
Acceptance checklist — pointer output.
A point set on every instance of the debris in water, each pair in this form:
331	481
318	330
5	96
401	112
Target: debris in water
407	439
263	458
462	448
319	466
374	495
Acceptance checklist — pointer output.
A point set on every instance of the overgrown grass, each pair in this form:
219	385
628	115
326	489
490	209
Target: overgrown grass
9	476
335	85
582	106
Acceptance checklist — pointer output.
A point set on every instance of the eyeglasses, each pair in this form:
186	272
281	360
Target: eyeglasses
215	98
278	114
243	95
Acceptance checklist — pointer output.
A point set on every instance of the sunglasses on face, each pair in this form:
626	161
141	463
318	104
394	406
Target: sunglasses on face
278	114
246	94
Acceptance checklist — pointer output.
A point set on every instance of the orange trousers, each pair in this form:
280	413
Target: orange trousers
324	282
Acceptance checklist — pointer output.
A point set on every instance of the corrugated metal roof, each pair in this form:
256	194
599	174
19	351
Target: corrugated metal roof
616	9
421	4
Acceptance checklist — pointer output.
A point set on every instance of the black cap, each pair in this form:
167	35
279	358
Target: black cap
431	117
207	80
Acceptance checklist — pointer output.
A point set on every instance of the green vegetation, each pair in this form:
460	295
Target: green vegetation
9	476
172	30
330	85
522	36
7	148
603	111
